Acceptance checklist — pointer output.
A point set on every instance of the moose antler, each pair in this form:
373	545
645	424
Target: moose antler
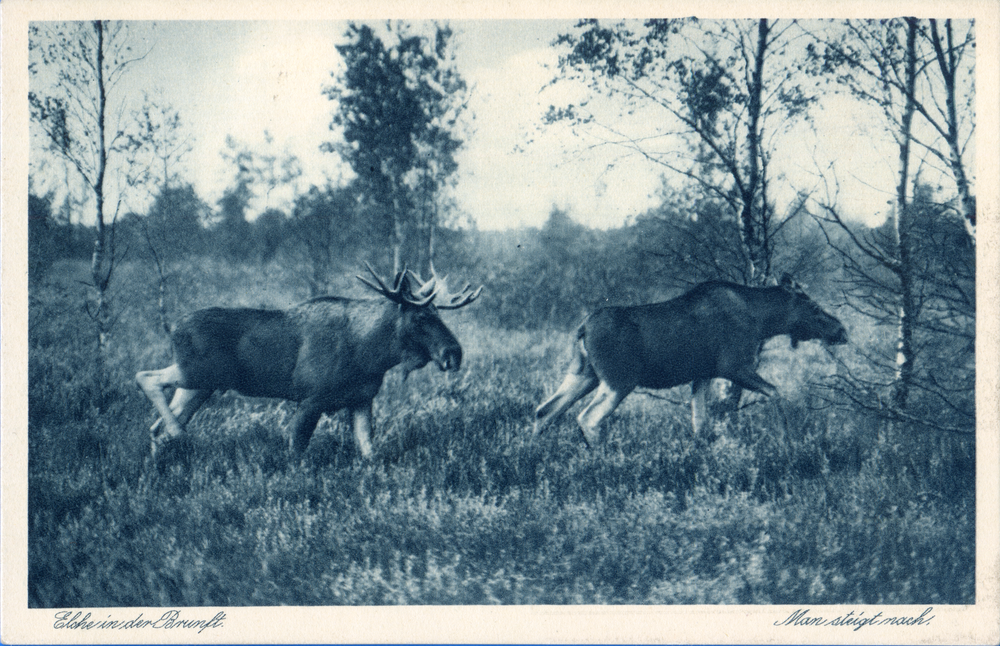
443	300
402	291
447	301
424	289
391	294
435	289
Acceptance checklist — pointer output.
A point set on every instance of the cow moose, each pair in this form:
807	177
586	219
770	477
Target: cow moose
715	330
328	353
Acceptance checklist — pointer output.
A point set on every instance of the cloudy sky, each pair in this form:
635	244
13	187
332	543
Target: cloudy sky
244	78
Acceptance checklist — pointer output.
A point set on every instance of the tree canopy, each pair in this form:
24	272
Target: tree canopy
397	109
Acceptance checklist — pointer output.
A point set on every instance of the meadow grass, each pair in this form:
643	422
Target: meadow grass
798	502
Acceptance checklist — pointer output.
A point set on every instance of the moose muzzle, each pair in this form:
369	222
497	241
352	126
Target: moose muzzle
450	358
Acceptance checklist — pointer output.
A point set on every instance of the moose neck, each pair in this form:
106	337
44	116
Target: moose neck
391	332
773	309
374	326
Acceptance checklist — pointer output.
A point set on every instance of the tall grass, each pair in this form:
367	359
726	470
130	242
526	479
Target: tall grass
796	503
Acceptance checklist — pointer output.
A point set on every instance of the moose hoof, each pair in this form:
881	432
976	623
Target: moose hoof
161	444
157	446
365	449
298	448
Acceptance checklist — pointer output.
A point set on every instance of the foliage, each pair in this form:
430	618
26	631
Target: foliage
398	107
328	233
41	243
942	315
160	135
233	230
268	230
52	237
869	59
260	171
75	68
172	229
692	238
550	277
799	504
916	78
727	89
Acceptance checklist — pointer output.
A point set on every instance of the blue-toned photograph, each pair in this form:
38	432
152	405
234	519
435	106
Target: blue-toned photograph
501	312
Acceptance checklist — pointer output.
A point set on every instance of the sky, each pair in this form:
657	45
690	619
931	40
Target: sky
241	79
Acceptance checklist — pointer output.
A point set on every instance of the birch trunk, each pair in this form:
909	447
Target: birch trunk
904	245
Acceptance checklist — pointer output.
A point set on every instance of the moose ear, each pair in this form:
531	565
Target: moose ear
790	285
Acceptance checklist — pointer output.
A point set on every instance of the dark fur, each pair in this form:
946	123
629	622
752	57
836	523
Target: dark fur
714	330
327	353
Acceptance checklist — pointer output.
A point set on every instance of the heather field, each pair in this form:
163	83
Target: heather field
799	502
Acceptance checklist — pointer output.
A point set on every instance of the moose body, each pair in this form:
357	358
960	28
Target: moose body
715	330
328	354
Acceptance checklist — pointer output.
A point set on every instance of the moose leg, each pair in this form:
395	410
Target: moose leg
580	380
304	423
188	401
699	412
153	383
750	380
603	404
714	401
363	429
184	405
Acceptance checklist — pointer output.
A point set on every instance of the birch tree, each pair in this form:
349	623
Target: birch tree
719	95
75	71
914	75
162	134
867	58
398	107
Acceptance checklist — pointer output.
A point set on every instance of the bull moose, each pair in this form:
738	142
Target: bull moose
714	330
328	353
